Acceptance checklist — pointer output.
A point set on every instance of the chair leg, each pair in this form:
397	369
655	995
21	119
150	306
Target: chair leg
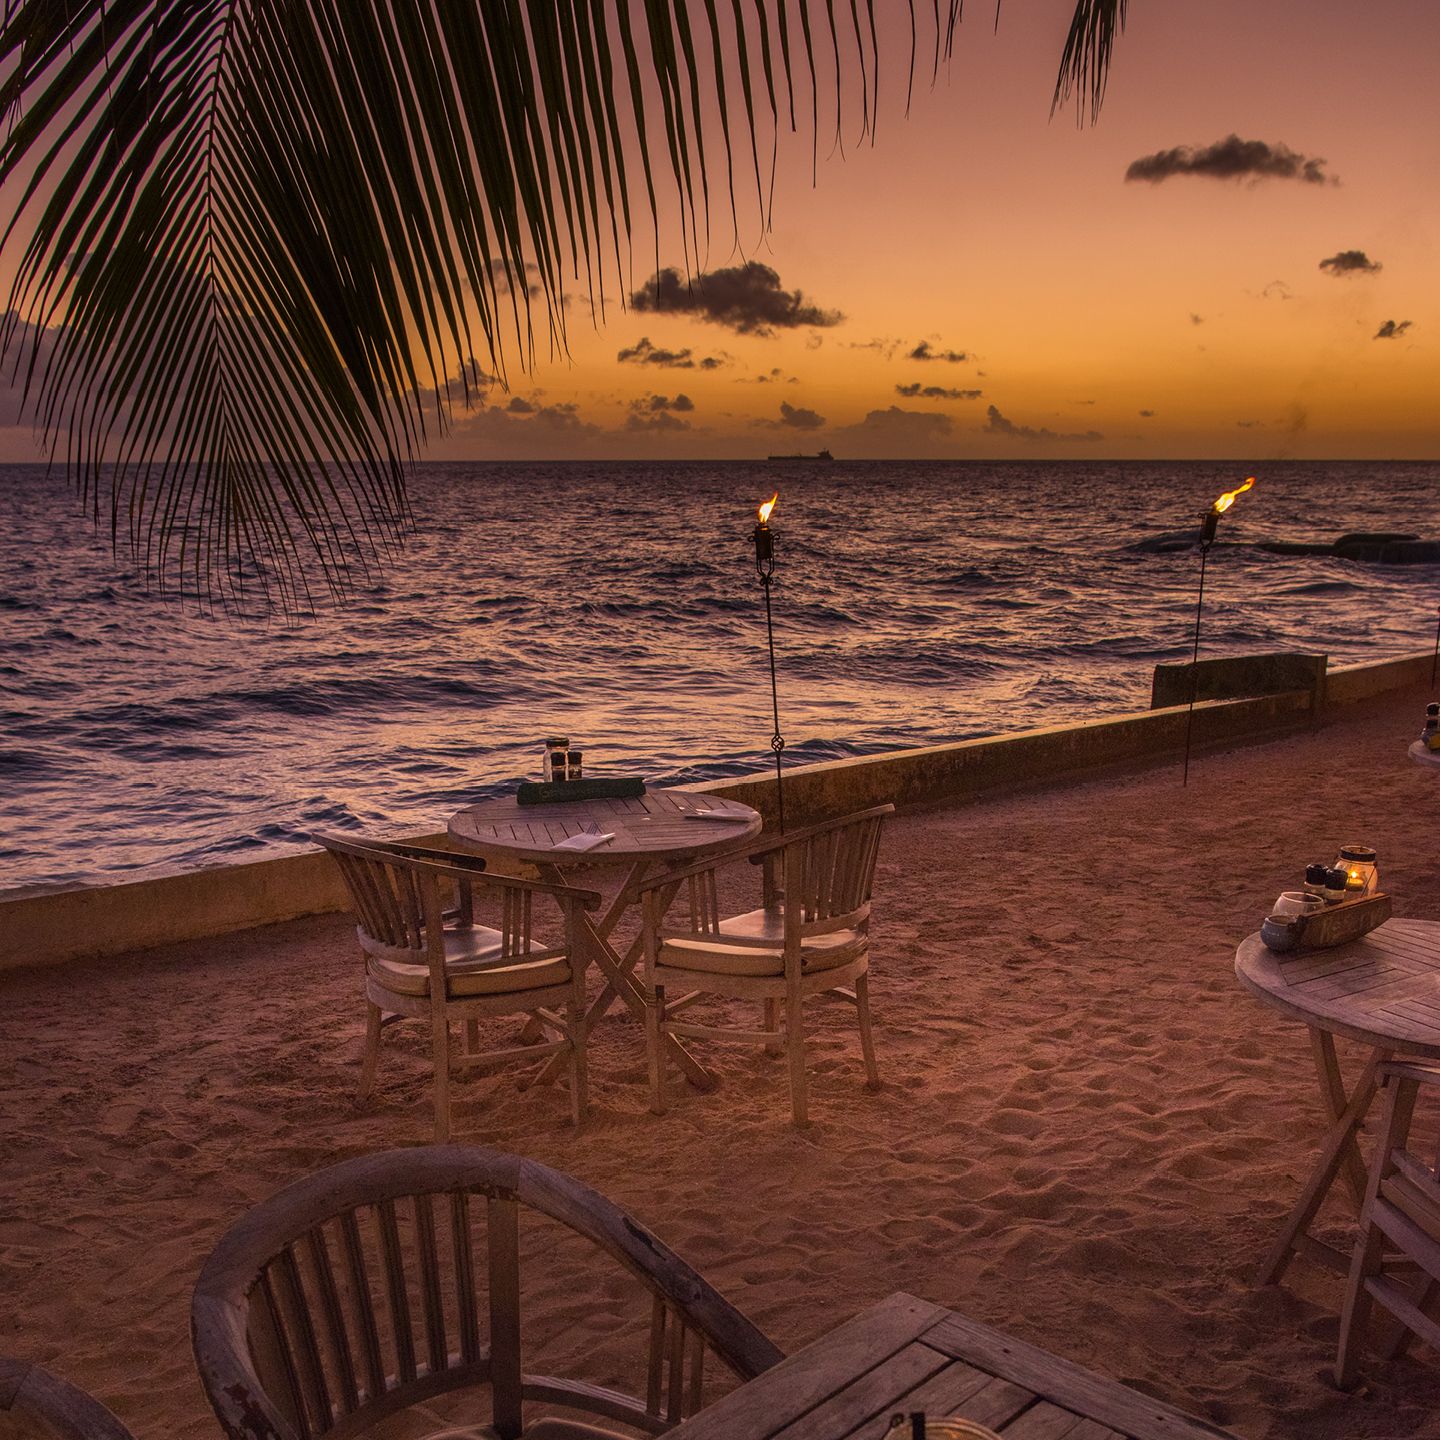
472	1037
579	1080
771	1022
1370	1245
655	1047
795	1045
372	1050
867	1039
440	1033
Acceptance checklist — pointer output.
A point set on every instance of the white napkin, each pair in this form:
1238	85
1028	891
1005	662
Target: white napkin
585	840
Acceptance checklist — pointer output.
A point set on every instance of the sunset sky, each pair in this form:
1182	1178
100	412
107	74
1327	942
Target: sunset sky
1067	310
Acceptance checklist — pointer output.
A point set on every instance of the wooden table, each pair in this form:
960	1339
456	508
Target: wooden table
907	1354
652	833
1382	990
1422	754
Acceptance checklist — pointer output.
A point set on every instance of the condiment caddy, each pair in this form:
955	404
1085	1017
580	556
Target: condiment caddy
1338	903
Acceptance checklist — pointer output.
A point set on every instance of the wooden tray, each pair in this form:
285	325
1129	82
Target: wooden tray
1334	925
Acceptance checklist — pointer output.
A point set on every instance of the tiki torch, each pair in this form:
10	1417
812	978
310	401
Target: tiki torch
1209	521
765	568
1435	658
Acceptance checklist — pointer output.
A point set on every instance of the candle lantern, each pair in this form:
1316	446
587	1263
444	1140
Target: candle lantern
1209	524
765	568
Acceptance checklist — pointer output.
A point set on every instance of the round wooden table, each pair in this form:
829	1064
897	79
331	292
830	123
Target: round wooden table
649	833
1382	990
1422	754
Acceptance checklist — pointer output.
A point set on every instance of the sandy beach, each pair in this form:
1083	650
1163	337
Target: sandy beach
1087	1133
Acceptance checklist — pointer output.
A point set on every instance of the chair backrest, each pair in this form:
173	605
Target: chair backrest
396	891
384	1280
49	1408
830	872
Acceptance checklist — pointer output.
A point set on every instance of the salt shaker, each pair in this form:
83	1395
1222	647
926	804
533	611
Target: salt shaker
556	758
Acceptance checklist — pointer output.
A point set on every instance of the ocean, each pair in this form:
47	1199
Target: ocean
618	604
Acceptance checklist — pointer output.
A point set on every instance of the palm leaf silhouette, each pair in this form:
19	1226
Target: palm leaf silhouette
263	246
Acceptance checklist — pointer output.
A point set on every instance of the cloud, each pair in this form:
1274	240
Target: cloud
923	351
1350	262
916	391
655	404
1231	159
1196	319
659	420
795	417
748	299
898	426
1147	414
884	348
520	406
1251	424
1277	290
997	424
1392	329
773	376
642	352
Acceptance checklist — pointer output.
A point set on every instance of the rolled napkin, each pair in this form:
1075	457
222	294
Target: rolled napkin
551	792
585	840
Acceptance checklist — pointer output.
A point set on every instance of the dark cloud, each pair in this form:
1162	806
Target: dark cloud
916	391
657	404
1231	159
1147	414
642	352
795	417
1350	262
997	424
774	376
1277	290
1196	319
748	299
660	420
1251	424
924	351
1392	329
520	406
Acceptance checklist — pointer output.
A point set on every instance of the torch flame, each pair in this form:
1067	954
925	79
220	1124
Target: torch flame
1228	498
767	507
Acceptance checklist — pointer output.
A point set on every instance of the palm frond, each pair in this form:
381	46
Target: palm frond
261	247
1089	47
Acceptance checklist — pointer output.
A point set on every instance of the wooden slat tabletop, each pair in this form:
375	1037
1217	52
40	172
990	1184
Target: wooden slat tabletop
651	826
907	1354
1382	989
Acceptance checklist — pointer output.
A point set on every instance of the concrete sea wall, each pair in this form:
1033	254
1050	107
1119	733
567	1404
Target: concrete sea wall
53	927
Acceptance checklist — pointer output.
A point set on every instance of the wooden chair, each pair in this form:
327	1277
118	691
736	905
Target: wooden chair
46	1407
811	936
425	962
1401	1215
395	1278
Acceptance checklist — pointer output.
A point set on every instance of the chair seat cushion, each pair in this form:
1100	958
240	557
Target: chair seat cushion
469	963
818	952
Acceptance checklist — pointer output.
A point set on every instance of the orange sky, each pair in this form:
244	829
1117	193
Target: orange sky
1080	300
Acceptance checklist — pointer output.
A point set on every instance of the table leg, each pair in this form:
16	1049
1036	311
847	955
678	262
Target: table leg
620	980
1332	1087
1339	1144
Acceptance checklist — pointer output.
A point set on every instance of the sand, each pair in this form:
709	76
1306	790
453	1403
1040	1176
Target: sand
1087	1133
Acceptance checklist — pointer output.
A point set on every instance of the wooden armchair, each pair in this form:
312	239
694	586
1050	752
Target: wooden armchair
427	962
1401	1215
46	1407
396	1278
810	936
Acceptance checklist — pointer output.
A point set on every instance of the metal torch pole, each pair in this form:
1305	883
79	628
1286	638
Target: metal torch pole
1194	662
1435	658
777	740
